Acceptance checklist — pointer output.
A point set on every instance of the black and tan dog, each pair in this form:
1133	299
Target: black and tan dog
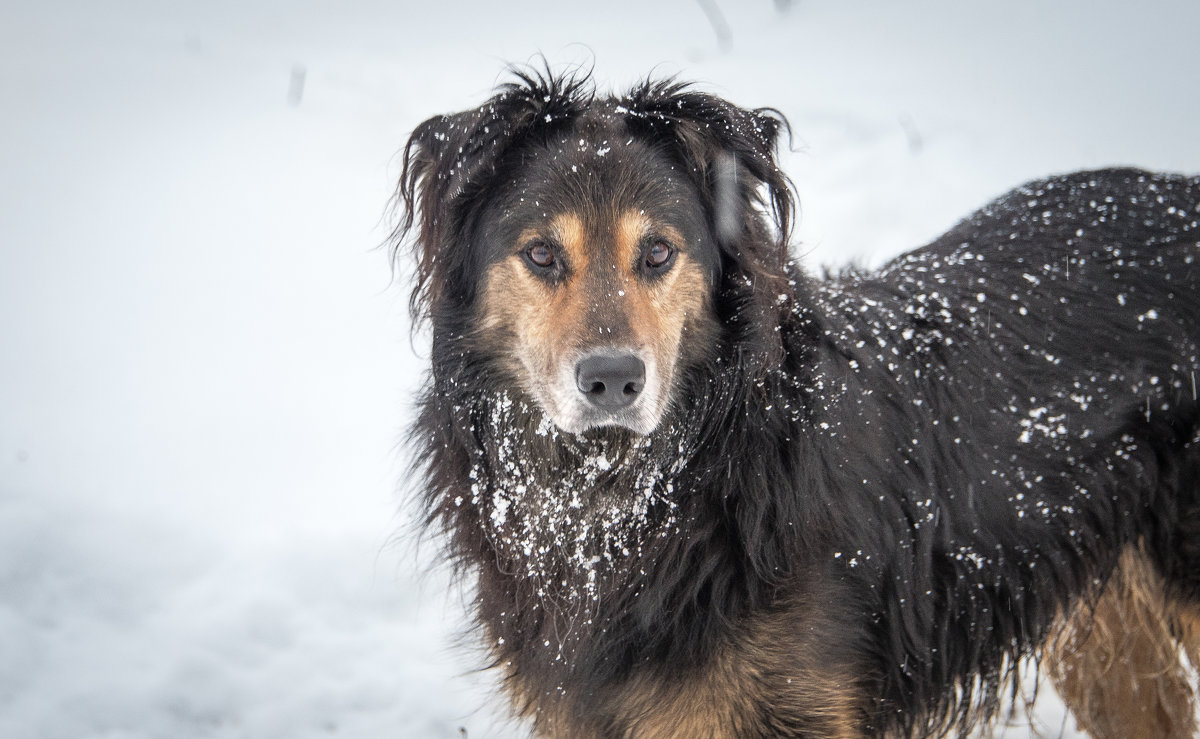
703	494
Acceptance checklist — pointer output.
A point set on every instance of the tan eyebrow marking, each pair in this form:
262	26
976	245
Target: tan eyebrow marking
632	228
569	232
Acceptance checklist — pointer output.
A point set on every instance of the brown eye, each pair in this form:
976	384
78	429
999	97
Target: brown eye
659	254
540	255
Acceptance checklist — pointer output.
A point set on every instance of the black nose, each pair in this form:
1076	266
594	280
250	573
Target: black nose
610	381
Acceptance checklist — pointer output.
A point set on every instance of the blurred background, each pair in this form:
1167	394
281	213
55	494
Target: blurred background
205	365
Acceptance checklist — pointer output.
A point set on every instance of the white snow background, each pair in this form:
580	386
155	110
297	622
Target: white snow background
205	370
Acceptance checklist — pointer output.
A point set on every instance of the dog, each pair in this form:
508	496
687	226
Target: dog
699	492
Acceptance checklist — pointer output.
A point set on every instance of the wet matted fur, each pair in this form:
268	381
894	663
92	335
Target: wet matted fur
701	493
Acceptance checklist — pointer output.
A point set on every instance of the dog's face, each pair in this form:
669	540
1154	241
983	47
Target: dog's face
600	264
583	245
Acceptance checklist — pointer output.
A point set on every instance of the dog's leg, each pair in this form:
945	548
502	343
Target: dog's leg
1119	665
1188	623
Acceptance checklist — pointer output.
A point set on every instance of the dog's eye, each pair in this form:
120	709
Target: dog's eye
659	253
540	254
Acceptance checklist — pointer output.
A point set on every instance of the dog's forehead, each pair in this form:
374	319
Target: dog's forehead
602	178
597	163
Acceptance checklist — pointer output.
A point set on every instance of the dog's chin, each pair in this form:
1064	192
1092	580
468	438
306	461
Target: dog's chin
635	421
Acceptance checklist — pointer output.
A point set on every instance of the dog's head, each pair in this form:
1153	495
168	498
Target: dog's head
595	248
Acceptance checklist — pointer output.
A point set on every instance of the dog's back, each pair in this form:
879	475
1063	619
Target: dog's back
1038	426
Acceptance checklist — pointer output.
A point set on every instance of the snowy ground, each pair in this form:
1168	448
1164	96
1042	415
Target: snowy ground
205	370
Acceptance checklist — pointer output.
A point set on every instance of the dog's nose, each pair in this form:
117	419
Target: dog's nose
610	381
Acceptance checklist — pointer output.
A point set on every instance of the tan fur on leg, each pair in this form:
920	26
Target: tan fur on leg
1120	666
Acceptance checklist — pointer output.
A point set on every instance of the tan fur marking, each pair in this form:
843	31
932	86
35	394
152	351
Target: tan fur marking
632	227
568	230
537	317
661	319
1119	666
728	698
774	677
526	320
1187	621
659	312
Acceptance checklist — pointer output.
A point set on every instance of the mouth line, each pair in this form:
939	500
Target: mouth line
633	421
576	417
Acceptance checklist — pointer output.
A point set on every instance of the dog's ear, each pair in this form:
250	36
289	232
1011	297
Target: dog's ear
730	152
451	160
441	159
730	155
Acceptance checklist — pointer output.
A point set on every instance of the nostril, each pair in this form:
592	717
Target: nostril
611	381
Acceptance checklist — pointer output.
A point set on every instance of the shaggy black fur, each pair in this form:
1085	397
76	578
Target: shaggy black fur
959	445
